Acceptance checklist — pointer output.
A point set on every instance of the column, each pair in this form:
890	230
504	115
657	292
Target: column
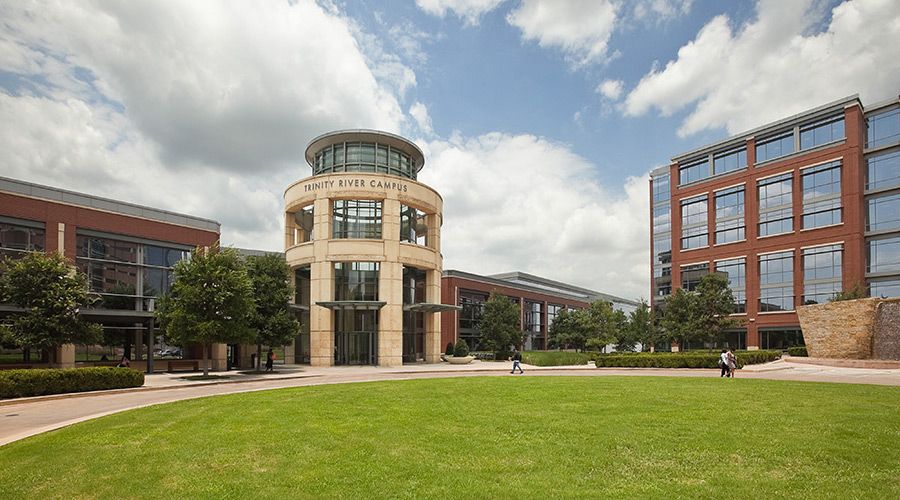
321	319
390	317
433	345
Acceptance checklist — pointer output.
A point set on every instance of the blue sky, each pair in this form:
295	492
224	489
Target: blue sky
540	119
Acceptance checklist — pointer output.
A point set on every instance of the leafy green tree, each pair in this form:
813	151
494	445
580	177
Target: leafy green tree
274	323
500	325
211	301
567	331
857	292
51	292
701	315
643	328
603	324
681	319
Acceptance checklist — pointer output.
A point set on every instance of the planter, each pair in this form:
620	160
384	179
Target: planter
460	360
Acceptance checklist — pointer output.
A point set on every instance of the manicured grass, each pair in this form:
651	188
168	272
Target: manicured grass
556	358
489	437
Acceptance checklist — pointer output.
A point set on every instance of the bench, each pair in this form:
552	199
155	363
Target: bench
192	365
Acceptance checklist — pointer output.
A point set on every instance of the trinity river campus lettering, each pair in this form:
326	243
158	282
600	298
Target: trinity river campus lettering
354	183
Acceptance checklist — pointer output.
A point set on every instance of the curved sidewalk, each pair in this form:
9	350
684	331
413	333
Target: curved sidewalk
29	416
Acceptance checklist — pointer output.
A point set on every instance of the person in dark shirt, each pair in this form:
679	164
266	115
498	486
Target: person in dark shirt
517	359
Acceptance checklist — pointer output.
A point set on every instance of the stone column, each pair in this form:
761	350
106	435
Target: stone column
390	318
433	320
64	356
218	357
321	319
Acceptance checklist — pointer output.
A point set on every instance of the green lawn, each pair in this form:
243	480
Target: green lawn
489	437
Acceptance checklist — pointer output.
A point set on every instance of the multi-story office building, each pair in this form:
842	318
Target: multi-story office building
363	238
127	252
539	300
791	213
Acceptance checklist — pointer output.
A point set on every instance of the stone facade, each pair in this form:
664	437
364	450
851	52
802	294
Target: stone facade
852	329
886	342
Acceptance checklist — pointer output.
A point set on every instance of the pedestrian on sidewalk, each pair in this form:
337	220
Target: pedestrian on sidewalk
731	362
270	359
517	360
723	363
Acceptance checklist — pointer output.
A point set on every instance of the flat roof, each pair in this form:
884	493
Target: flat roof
532	283
67	197
738	139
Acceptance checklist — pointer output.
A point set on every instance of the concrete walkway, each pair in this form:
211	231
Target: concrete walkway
20	418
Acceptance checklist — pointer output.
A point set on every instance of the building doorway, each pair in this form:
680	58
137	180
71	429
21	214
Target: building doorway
355	337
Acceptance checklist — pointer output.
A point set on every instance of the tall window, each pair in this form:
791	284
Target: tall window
884	213
534	328
883	128
662	218
355	281
661	188
776	281
775	205
883	170
694	223
553	311
730	215
692	274
364	157
693	172
822	132
357	219
18	239
470	317
884	255
413	228
662	235
305	219
735	271
821	273
730	160
822	195
775	147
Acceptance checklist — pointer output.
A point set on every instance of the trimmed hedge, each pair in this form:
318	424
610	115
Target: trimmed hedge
798	351
555	358
40	382
681	359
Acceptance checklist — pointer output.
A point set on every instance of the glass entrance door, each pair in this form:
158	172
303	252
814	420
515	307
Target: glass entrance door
356	337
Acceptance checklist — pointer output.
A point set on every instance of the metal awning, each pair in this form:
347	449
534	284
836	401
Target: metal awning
430	308
298	307
354	305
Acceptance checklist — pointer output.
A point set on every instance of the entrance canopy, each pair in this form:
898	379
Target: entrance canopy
352	305
430	308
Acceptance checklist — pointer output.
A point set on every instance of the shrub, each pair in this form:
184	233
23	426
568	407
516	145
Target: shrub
462	349
555	358
681	359
449	350
798	351
39	382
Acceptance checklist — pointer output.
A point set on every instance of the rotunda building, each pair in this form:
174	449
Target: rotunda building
363	239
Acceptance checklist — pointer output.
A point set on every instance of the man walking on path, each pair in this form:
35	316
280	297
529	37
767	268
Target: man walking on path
517	359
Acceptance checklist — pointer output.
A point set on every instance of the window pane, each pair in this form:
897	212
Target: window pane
822	272
884	255
884	213
884	171
883	128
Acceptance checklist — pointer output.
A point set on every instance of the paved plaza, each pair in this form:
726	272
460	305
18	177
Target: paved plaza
20	418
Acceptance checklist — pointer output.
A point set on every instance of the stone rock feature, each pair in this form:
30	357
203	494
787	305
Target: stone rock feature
842	329
886	342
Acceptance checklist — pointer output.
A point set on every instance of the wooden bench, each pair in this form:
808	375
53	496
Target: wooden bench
175	364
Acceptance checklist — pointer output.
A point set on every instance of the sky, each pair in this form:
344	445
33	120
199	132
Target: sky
539	119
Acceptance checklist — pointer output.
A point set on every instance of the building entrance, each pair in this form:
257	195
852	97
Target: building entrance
355	337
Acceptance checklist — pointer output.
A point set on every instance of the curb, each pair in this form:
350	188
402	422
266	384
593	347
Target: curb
85	394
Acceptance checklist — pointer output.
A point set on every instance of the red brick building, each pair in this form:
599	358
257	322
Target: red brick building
791	213
126	250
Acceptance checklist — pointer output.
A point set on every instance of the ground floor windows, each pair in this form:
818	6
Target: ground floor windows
355	337
730	339
885	288
780	338
413	321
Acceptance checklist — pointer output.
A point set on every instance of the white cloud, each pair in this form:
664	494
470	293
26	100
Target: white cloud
419	112
505	209
659	11
201	108
774	66
611	89
580	28
468	10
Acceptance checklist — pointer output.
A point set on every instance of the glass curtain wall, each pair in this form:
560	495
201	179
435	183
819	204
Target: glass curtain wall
412	226
534	328
302	288
822	272
413	321
364	157
356	219
662	238
356	330
776	282
472	304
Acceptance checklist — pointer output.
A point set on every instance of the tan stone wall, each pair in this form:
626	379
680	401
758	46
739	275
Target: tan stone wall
886	343
842	329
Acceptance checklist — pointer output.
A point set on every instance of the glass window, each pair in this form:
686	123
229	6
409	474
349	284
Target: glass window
413	228
533	312
107	249
823	132
662	219
694	223
661	188
776	282
780	339
821	273
731	160
730	215
821	195
305	220
364	157
770	148
883	170
884	255
355	281
692	274
775	205
662	247
883	128
884	213
662	280
884	288
16	240
357	219
693	172
470	318
735	271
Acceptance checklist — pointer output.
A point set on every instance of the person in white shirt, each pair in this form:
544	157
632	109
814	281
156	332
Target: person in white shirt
723	363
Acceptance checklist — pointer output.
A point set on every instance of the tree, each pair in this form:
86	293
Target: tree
274	323
211	301
52	293
568	330
602	323
701	315
643	328
500	326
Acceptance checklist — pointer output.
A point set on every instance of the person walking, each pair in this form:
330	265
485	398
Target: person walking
517	360
723	363
731	363
270	359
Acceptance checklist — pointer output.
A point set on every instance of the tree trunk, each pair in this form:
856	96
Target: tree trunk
205	359
258	356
